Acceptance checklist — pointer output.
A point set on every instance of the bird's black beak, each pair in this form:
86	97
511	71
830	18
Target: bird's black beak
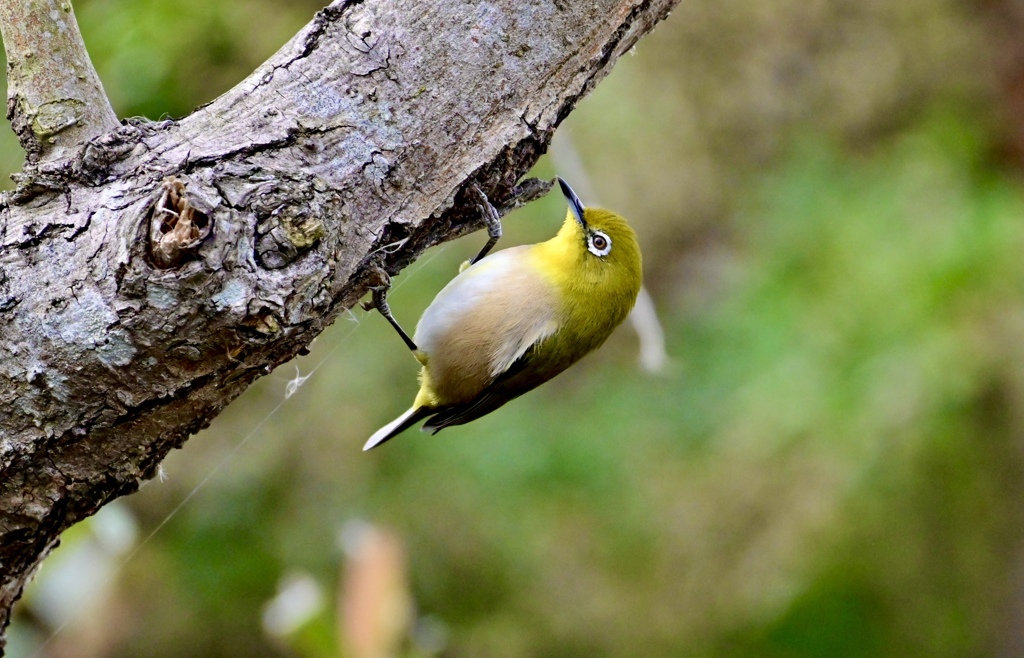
574	201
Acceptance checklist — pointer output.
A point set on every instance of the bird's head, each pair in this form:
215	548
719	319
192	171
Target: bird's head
604	244
594	260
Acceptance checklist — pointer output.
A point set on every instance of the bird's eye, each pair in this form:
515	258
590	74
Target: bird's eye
599	244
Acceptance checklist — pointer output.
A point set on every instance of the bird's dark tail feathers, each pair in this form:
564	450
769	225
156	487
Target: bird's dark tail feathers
397	426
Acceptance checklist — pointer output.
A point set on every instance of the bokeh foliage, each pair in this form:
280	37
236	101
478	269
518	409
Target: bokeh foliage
830	466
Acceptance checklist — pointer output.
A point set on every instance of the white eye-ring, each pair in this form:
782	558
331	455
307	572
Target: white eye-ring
599	243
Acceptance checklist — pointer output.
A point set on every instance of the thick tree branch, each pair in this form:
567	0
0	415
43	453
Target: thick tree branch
154	273
54	98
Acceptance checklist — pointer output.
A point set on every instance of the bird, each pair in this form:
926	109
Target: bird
512	320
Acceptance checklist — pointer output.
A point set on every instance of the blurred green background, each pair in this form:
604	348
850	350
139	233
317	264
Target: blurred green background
829	196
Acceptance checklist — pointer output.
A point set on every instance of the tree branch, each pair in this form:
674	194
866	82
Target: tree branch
150	277
55	100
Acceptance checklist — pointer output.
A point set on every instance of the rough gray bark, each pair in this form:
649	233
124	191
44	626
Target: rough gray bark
153	272
54	98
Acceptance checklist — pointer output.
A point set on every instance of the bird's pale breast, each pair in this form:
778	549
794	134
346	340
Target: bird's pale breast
482	321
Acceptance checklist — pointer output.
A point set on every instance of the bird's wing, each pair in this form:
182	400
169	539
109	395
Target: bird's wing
537	329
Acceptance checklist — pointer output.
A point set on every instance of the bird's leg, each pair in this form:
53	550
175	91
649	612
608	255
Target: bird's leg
491	219
379	301
526	191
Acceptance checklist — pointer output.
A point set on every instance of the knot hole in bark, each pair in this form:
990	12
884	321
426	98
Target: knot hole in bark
286	233
176	227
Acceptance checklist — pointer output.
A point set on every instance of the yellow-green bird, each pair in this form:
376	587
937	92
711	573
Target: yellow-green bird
512	321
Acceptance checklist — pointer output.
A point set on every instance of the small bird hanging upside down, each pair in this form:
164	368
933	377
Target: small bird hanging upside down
512	321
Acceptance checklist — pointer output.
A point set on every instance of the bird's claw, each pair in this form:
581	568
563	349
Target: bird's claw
491	219
380	285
